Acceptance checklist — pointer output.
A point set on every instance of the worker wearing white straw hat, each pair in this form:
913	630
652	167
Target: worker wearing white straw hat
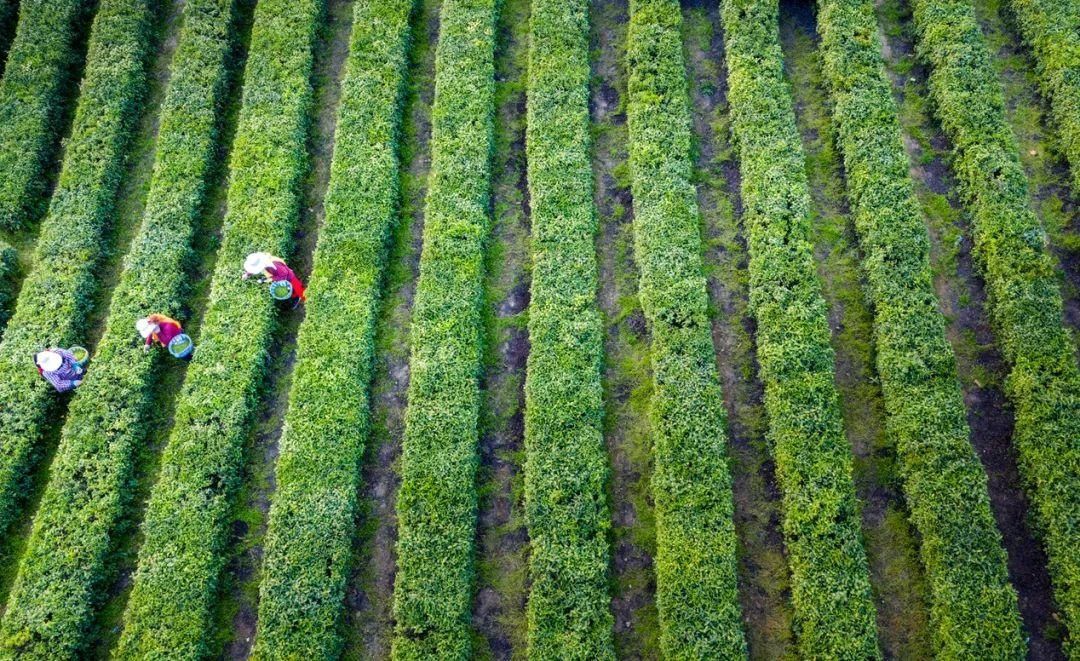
273	271
166	331
60	368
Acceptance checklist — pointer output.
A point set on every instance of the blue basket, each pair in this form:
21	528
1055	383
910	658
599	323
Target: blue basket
281	290
181	346
81	355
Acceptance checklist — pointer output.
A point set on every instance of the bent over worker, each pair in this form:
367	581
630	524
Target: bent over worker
166	331
273	270
60	368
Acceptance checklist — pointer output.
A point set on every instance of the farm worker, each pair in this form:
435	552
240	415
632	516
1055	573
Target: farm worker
164	331
273	269
60	368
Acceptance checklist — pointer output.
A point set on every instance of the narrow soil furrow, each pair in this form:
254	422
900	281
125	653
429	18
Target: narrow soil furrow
502	540
127	216
627	374
962	296
1055	202
763	572
238	606
891	544
369	598
170	381
9	18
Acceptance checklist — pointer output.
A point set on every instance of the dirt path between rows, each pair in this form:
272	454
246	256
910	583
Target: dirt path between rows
764	578
502	539
963	299
627	372
891	542
237	609
369	623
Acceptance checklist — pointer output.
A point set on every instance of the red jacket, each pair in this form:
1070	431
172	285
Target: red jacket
167	330
279	271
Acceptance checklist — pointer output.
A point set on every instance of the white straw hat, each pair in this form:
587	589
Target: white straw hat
49	361
257	262
145	327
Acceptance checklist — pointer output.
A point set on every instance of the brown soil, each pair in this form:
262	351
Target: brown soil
502	539
627	375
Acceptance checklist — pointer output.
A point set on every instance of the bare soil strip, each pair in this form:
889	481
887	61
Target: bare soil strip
369	624
763	571
892	547
962	296
238	605
627	374
502	539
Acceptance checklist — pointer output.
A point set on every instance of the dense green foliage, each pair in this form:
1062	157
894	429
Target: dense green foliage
973	607
834	611
1022	289
312	517
9	264
56	294
566	467
436	505
695	532
187	517
60	575
32	92
1052	30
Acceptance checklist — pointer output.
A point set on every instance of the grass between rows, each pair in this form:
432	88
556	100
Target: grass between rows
974	610
32	93
437	501
60	575
834	611
312	517
696	590
186	522
1025	304
1051	28
566	468
55	298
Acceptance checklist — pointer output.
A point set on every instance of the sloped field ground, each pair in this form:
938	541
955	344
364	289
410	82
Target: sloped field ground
490	160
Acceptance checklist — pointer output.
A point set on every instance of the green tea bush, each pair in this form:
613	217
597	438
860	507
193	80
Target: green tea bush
830	583
56	295
973	608
313	513
1024	301
436	505
32	93
187	519
60	576
696	592
566	466
1052	29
